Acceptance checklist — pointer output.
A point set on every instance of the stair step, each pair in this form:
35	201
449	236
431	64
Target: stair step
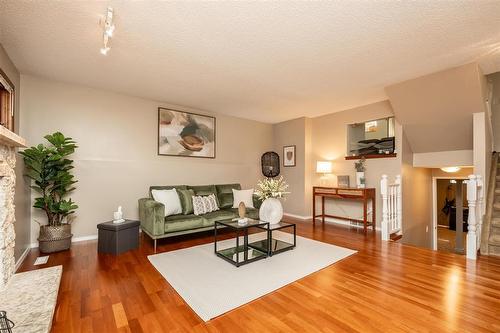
496	206
495	222
494	240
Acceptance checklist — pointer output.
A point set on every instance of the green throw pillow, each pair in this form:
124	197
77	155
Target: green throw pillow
186	197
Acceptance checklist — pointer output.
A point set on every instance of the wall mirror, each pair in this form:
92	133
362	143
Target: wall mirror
374	138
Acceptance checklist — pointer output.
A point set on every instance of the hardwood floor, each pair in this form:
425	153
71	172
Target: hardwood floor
385	287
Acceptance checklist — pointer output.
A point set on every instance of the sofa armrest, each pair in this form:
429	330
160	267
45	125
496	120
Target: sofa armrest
152	216
256	201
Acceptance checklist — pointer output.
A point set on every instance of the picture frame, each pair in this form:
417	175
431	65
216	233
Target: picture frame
343	181
289	158
186	134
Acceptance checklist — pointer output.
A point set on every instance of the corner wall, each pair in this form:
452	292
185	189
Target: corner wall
22	198
117	159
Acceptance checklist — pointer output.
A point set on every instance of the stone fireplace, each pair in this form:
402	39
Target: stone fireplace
8	143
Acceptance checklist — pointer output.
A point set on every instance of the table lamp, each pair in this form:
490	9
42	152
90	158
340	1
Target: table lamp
323	167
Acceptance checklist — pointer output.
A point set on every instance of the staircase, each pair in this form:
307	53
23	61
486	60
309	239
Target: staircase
490	244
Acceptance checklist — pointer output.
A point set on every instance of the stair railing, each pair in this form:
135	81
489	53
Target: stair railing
392	207
490	198
475	193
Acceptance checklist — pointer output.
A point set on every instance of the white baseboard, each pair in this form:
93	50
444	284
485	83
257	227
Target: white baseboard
328	220
74	240
21	259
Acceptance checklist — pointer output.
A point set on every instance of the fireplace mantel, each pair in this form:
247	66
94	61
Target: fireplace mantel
10	139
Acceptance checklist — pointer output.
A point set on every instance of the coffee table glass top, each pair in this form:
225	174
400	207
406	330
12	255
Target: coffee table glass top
233	223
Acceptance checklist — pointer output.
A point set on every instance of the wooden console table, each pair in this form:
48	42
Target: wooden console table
361	194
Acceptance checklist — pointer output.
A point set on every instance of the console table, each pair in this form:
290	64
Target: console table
360	194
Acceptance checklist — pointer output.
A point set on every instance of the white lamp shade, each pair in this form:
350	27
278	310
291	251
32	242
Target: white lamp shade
323	167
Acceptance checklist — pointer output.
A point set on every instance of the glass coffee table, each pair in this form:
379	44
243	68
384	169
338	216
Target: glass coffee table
272	245
245	253
248	252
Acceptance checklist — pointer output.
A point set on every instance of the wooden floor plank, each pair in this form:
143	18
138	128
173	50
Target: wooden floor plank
385	287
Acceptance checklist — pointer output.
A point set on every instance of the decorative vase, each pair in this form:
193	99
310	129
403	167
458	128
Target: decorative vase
271	211
360	179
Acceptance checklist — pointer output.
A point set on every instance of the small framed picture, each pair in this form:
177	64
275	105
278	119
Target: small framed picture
289	156
343	181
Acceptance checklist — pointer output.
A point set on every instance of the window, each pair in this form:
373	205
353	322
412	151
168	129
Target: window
6	102
374	138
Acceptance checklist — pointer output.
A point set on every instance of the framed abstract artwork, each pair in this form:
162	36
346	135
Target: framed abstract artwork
289	156
185	134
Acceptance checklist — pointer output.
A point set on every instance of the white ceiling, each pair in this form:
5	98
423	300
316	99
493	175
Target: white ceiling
269	61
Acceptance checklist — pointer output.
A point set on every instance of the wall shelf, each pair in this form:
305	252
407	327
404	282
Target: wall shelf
357	157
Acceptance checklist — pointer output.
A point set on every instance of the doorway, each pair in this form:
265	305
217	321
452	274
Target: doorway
449	202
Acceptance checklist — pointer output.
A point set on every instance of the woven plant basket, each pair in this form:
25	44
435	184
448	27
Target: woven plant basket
54	239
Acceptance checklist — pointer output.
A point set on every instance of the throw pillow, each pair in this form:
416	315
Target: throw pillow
245	196
198	205
170	199
213	202
186	197
206	204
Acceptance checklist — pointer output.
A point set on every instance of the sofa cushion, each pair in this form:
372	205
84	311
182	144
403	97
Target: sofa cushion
186	197
183	222
225	194
169	187
219	215
204	190
252	213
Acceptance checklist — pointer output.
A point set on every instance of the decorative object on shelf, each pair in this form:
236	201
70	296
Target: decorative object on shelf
360	172
6	324
289	158
271	191
118	216
185	134
343	181
49	168
270	163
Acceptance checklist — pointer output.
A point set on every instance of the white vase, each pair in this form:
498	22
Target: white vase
271	211
360	175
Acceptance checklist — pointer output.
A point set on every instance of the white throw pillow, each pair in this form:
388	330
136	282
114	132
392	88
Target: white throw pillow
245	196
213	202
170	199
198	205
206	204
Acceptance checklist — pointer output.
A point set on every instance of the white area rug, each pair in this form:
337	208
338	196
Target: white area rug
211	286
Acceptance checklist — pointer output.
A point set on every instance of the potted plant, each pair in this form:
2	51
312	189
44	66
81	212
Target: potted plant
271	191
49	168
360	172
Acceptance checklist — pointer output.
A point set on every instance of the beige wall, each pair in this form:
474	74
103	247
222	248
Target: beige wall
329	142
438	103
22	198
294	132
417	201
441	159
482	147
495	108
117	157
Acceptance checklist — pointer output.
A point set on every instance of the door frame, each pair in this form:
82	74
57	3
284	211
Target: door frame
434	206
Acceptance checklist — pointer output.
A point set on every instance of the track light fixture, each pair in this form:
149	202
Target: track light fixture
109	29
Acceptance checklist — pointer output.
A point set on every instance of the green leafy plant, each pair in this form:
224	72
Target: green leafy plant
360	165
272	188
50	169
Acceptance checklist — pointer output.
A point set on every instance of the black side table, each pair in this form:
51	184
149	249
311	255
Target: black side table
116	238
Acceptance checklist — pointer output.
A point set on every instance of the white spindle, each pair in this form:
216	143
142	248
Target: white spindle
385	217
471	234
391	206
480	208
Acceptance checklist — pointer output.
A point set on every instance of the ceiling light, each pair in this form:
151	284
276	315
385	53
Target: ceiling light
451	169
108	30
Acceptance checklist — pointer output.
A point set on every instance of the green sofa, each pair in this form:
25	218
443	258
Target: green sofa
156	225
